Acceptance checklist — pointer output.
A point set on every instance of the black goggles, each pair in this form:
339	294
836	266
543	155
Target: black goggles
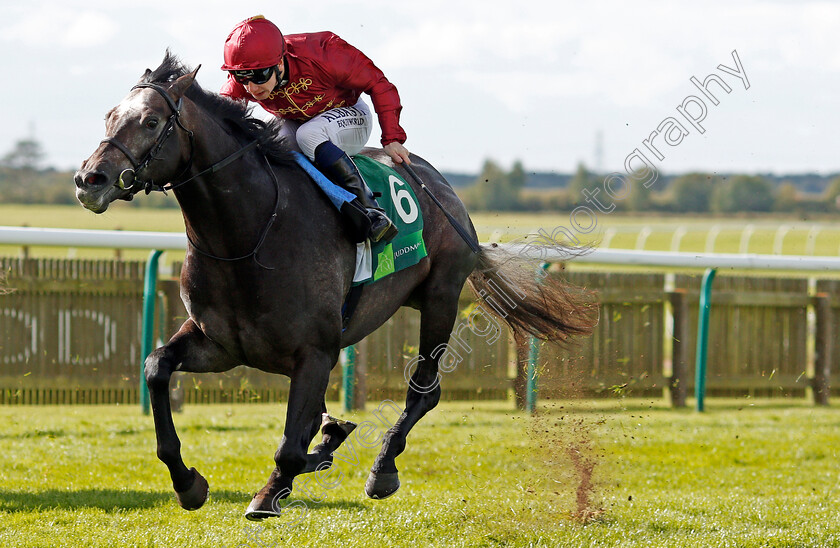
257	76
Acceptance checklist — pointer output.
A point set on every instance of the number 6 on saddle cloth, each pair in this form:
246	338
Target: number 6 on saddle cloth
397	198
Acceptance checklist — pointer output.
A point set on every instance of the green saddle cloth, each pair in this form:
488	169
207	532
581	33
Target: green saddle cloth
400	203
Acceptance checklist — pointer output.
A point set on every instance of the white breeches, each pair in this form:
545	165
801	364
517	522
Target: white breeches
348	128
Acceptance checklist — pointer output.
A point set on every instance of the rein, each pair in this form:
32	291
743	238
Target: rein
136	184
265	230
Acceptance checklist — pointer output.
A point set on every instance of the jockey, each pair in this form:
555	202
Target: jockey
313	82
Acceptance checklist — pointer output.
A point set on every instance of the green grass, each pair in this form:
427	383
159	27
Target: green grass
500	226
746	473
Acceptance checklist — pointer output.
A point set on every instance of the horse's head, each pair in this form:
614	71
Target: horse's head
145	143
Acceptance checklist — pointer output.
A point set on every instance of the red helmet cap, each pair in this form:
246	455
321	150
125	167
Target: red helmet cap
254	43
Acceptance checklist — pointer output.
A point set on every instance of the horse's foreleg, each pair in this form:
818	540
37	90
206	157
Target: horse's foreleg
306	396
315	425
194	352
437	318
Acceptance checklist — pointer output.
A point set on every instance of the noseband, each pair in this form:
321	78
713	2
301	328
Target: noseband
136	184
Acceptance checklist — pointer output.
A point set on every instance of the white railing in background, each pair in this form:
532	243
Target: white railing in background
711	237
811	239
779	238
746	234
61	237
178	241
677	237
641	239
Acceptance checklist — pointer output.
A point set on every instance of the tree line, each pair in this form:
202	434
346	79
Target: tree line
23	181
496	189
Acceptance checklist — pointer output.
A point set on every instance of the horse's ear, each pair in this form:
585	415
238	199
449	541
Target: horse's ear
145	77
180	86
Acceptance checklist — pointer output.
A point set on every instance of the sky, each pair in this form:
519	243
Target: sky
549	83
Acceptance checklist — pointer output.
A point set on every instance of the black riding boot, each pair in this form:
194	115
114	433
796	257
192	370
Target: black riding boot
367	218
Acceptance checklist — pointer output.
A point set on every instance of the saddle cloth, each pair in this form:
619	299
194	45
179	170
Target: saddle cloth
397	198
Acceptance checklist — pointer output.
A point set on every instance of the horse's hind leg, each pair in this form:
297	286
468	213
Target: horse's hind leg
333	433
188	350
437	316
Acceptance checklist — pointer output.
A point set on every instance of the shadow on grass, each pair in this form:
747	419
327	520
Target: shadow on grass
112	500
61	433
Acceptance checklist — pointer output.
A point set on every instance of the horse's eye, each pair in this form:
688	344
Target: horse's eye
152	123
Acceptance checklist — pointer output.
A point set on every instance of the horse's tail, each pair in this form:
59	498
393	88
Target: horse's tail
518	291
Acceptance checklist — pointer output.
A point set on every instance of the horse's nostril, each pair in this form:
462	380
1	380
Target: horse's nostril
91	178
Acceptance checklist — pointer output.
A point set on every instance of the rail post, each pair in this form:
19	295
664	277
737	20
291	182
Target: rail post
531	377
531	374
349	378
824	344
703	338
679	375
147	339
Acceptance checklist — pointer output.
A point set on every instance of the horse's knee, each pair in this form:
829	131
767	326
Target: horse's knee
158	370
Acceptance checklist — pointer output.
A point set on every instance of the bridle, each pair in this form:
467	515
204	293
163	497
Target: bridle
136	184
174	121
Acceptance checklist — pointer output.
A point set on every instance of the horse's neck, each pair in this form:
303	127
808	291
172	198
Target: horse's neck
226	211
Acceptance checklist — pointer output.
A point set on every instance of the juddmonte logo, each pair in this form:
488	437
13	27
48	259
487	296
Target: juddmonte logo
407	249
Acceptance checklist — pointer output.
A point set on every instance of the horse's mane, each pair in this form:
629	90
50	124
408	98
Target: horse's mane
236	115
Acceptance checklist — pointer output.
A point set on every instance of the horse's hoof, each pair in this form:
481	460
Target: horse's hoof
256	514
194	497
329	424
265	503
381	485
261	508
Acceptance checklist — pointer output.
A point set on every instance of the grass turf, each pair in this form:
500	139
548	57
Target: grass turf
746	473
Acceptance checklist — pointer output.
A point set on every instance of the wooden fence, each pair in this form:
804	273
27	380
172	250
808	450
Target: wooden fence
70	333
761	341
758	333
626	353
